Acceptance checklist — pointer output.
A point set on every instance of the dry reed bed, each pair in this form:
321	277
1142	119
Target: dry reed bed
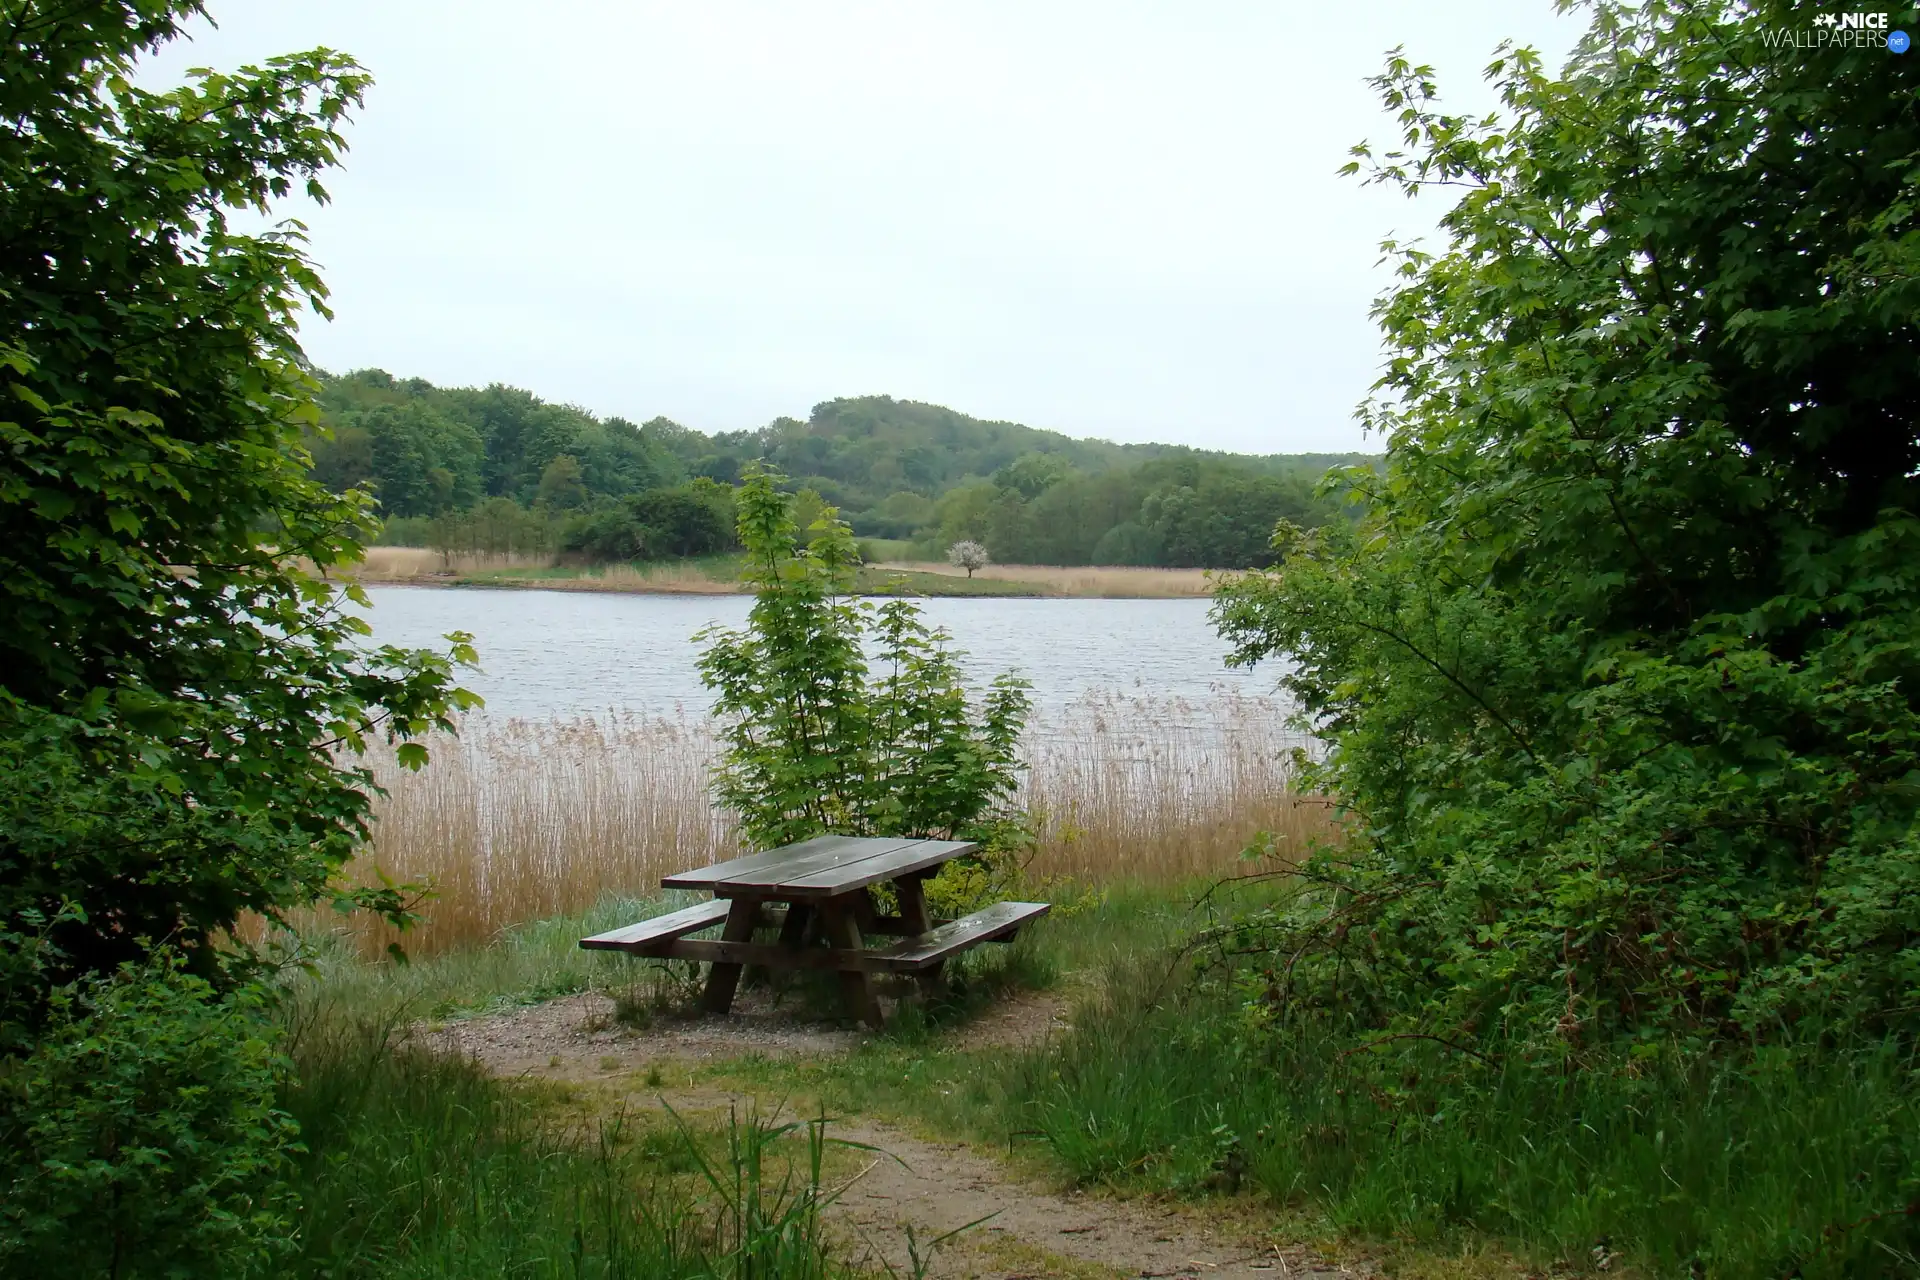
401	565
418	564
517	821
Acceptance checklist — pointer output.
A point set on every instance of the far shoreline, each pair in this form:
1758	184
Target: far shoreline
717	575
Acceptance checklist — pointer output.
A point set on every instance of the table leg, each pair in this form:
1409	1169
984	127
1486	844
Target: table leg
843	933
724	979
794	932
911	892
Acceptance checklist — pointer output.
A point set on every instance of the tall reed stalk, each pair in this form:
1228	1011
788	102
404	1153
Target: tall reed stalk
522	820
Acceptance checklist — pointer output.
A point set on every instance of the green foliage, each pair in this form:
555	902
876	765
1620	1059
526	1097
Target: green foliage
418	461
1184	510
498	526
562	487
820	738
1750	1167
1622	673
498	441
140	1136
180	699
693	519
904	470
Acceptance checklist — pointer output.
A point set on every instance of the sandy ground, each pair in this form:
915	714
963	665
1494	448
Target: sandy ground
928	1187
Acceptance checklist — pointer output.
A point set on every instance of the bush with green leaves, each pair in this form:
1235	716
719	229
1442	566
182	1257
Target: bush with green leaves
181	689
140	1137
183	692
1621	673
843	717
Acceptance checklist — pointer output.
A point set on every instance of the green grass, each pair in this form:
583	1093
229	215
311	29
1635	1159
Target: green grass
1788	1161
1773	1163
879	549
418	1165
528	964
901	582
1734	1167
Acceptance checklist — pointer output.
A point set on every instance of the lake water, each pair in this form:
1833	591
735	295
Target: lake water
563	653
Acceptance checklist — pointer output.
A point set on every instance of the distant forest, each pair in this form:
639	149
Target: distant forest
500	470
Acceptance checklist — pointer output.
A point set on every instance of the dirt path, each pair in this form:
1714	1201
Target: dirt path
1031	1232
918	1190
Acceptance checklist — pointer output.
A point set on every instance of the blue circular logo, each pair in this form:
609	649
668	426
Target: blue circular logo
1898	41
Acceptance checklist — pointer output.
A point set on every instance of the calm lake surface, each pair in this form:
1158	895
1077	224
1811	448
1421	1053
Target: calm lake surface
563	653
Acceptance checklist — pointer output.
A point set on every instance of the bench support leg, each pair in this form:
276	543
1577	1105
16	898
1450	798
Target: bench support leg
843	933
724	979
932	980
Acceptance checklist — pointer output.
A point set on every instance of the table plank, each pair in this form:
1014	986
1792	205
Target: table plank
759	880
703	877
849	875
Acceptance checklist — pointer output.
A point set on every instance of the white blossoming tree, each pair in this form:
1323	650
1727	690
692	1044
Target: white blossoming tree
968	555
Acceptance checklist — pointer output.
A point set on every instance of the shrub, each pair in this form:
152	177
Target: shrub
181	691
140	1137
821	739
1622	675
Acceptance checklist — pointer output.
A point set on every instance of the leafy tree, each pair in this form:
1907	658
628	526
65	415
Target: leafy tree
1032	474
900	515
561	485
1129	543
421	462
180	699
962	513
1622	673
694	519
819	739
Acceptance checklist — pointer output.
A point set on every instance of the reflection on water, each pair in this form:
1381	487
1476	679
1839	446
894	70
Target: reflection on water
555	653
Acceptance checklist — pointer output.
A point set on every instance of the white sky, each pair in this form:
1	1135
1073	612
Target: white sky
1108	218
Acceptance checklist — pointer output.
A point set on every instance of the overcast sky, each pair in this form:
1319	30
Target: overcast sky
1113	219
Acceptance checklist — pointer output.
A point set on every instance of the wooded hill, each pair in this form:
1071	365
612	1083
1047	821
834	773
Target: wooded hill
498	464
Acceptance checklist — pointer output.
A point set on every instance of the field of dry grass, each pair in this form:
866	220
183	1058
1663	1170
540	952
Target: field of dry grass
519	821
1097	581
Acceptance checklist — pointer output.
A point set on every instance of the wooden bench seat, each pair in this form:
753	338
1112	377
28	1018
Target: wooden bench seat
651	933
997	923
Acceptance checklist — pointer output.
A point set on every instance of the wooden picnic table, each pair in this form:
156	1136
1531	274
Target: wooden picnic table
824	918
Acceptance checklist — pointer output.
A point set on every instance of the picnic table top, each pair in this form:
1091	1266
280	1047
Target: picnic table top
824	867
